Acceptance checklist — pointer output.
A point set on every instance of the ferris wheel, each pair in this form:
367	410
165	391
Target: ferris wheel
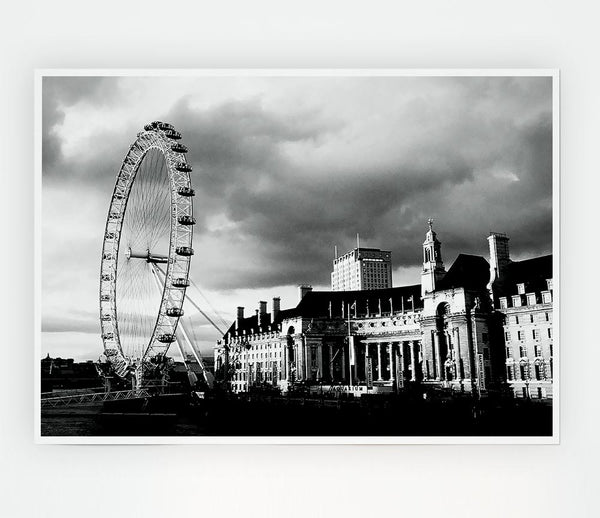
146	252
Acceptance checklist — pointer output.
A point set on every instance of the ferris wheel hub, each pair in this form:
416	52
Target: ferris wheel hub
147	256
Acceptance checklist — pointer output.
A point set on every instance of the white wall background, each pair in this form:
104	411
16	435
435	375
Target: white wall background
148	481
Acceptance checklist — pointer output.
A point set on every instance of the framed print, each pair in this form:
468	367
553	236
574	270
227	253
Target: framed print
297	256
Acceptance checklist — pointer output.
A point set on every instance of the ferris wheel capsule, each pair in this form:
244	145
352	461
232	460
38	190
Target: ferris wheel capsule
186	191
172	134
179	148
186	220
184	251
181	282
183	167
175	312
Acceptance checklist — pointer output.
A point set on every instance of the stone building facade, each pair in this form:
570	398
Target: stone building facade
463	329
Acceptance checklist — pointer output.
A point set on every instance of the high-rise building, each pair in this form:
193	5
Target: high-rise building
362	269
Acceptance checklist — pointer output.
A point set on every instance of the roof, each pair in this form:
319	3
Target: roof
531	272
471	272
317	304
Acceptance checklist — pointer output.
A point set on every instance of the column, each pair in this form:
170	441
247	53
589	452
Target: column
343	363
439	360
390	361
413	361
379	369
366	358
400	366
305	360
458	359
299	362
330	349
418	360
320	360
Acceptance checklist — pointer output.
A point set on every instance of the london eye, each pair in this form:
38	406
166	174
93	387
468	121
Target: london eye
146	252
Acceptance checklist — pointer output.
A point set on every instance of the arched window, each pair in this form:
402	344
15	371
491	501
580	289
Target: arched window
443	309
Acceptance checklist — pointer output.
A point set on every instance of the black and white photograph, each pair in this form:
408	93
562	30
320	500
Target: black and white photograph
279	256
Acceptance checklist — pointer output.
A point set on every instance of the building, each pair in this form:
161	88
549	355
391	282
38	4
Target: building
480	326
523	295
362	269
66	373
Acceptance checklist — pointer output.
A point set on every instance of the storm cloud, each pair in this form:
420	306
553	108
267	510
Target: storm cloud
285	168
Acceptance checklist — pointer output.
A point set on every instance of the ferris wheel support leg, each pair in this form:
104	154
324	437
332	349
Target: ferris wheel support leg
179	346
181	333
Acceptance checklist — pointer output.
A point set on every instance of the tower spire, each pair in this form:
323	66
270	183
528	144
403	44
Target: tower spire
433	266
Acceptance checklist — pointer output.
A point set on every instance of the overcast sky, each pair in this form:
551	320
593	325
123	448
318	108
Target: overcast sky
287	167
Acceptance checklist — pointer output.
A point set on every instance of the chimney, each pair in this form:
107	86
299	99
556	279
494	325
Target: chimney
303	289
499	257
276	308
262	313
240	317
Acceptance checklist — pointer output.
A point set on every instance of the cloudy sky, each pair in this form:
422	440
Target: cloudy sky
284	169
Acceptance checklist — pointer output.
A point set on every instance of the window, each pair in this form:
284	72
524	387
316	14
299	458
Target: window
521	335
522	351
507	336
503	304
510	372
546	297
538	350
547	317
516	319
536	334
509	352
531	318
516	300
520	288
531	299
549	332
523	369
538	372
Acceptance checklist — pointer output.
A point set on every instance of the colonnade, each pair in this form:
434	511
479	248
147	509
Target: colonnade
397	360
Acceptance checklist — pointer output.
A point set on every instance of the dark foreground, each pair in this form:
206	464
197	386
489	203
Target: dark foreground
259	415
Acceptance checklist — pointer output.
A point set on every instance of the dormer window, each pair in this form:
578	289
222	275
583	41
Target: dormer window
503	302
549	282
516	301
521	288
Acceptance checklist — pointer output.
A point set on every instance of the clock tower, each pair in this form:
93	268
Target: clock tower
433	266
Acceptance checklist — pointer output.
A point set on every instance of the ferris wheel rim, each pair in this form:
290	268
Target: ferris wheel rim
163	138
